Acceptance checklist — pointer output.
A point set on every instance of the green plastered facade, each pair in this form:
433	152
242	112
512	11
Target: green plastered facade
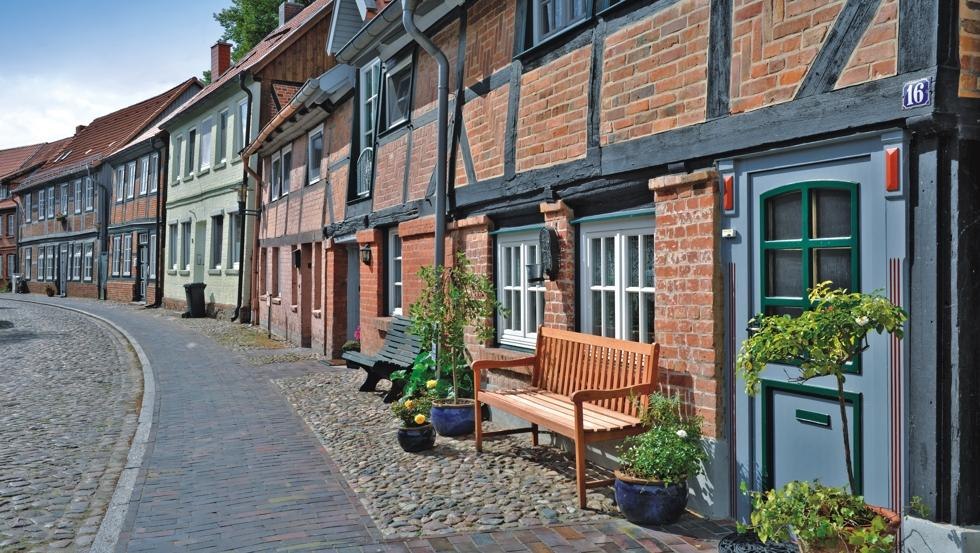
204	194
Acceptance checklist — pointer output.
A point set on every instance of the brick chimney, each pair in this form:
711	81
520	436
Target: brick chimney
79	128
287	10
220	59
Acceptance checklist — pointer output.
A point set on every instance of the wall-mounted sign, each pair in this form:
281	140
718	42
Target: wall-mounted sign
917	93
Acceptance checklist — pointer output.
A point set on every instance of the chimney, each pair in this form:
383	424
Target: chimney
220	59
287	10
79	128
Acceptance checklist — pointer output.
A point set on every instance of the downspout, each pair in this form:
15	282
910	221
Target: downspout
242	197
408	21
162	177
102	222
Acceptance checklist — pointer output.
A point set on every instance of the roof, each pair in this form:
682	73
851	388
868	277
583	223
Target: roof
39	153
106	134
13	159
151	131
266	49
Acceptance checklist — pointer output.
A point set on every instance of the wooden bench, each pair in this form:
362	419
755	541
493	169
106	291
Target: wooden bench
398	352
587	388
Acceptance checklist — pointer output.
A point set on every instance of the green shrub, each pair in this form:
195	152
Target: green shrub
671	451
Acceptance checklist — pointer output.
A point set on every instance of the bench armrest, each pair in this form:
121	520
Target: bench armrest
485	364
582	396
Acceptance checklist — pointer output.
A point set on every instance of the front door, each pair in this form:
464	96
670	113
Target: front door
200	252
353	291
63	270
306	294
799	218
141	267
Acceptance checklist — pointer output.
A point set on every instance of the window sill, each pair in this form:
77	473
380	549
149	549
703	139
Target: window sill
395	127
515	346
294	308
187	178
231	272
219	165
171	272
314	181
276	300
214	272
202	172
184	273
554	40
359	199
236	159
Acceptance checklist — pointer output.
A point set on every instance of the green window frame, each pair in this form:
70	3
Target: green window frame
808	243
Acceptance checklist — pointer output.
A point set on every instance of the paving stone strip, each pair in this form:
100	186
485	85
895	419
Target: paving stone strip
69	391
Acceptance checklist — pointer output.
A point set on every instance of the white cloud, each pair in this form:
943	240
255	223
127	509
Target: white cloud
43	108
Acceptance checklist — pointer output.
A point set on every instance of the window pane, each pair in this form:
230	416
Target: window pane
785	276
609	261
783	217
515	268
649	318
633	316
540	318
609	300
517	315
648	261
505	267
532	312
832	212
596	247
779	310
597	313
833	265
633	265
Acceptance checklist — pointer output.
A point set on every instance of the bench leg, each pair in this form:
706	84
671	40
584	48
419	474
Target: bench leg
580	471
370	382
534	435
478	426
395	393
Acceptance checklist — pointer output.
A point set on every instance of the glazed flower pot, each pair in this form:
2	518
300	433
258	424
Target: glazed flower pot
650	502
417	438
453	418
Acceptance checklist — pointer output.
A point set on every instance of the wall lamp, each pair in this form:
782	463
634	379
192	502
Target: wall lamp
366	254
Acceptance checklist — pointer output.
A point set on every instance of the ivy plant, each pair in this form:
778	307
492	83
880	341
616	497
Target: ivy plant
820	342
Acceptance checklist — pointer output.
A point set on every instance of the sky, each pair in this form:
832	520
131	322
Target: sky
65	62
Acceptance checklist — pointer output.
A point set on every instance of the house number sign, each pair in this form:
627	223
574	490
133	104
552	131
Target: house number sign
917	93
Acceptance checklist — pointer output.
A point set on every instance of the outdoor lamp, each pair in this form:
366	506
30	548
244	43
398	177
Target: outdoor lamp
366	254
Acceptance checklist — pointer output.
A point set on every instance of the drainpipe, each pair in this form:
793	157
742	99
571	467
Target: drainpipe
162	176
408	21
102	222
242	197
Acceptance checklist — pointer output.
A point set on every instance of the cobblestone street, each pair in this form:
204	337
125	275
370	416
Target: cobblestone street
69	392
229	464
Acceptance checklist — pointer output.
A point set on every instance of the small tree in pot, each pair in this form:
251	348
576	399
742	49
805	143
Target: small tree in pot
453	299
651	483
821	341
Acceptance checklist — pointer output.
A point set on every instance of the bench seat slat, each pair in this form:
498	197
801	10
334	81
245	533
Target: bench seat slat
554	412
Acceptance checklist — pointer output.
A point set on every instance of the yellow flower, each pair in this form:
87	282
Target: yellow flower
431	384
409	404
420	419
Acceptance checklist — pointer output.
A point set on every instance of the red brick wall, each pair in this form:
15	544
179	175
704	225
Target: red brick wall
969	14
654	73
486	122
489	38
423	163
390	165
876	56
335	298
427	75
120	290
773	44
553	112
374	320
559	295
689	311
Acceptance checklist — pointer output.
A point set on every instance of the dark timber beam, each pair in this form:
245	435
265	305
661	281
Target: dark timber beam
719	59
843	38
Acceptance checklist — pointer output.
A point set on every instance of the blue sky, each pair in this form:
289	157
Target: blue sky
66	62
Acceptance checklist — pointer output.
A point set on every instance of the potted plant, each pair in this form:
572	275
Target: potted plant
821	341
416	433
49	291
453	299
821	519
651	483
352	345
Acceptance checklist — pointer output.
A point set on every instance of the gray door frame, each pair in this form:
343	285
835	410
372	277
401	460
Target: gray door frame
353	290
880	390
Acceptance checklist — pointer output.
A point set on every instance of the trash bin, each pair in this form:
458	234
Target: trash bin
194	294
14	282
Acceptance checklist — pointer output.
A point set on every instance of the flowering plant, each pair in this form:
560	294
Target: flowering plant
671	451
413	411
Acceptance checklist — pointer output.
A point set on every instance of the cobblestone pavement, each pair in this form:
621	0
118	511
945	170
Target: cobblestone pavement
69	392
231	466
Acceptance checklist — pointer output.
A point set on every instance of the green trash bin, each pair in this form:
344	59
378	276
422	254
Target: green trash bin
194	294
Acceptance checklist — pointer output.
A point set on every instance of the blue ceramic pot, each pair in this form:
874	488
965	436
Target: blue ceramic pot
452	420
650	502
418	438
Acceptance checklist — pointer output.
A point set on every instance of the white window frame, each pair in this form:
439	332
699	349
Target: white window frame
313	173
63	203
242	127
154	171
76	188
40	263
87	276
130	180
398	67
619	230
144	174
275	176
526	335
151	252
27	207
27	262
368	107
171	249
177	168
217	241
11	225
41	204
89	194
221	137
116	254
395	282
4	191
286	181
204	151
189	161
234	232
120	174
185	245
76	262
127	255
564	17
51	201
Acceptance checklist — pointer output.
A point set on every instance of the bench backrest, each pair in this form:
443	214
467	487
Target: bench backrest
570	361
400	346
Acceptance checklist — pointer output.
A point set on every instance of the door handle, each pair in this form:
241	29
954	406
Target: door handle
814	418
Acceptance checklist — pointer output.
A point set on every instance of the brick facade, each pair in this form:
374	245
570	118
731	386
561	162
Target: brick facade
654	74
969	40
876	55
773	45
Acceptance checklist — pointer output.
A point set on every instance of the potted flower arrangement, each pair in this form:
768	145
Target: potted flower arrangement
416	433
821	341
453	299
651	483
49	291
352	345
